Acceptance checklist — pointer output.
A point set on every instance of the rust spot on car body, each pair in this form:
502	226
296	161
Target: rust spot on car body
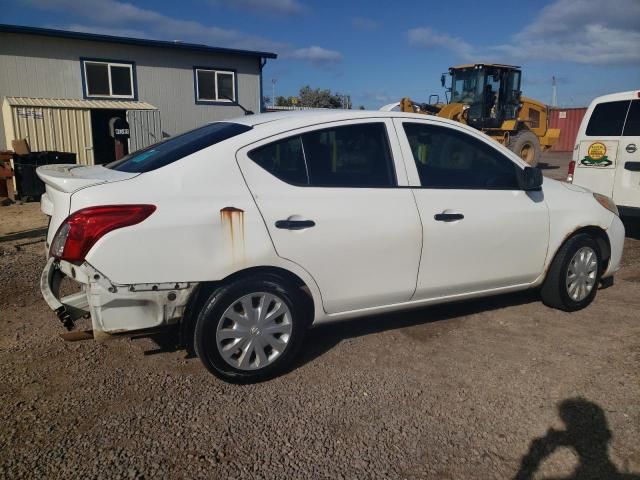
231	215
233	219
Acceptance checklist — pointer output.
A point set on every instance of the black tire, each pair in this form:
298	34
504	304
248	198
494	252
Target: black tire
554	291
221	299
526	139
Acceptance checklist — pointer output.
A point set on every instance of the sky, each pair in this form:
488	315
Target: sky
381	51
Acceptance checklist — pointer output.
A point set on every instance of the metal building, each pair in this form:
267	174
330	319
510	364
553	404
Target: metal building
62	90
568	121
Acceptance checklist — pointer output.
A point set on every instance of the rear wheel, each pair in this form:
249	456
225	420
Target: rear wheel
251	329
572	281
526	145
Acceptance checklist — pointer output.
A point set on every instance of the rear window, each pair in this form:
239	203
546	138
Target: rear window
632	127
607	119
175	148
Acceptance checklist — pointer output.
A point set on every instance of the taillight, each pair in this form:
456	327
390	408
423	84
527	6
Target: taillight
572	168
82	229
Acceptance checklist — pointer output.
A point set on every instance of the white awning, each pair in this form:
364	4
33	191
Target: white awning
75	103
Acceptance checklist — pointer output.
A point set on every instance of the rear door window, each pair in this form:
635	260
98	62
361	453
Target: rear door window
607	119
175	148
632	126
345	156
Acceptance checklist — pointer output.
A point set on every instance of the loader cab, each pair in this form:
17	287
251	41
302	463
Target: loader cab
490	93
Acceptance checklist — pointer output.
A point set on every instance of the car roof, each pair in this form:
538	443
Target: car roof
301	118
612	97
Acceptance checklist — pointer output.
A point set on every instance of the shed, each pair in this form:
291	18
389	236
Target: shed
66	124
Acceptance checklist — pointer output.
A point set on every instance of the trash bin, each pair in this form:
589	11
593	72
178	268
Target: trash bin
29	186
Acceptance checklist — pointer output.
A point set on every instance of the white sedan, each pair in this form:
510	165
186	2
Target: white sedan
249	231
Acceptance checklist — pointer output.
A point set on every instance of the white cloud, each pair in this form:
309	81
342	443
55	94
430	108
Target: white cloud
568	17
579	31
362	23
274	7
112	15
426	37
316	55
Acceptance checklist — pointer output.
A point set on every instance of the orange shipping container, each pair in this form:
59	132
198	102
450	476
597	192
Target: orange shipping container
568	121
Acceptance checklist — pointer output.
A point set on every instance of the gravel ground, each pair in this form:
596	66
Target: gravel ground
484	389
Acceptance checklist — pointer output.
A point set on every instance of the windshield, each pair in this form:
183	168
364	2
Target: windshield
467	86
175	148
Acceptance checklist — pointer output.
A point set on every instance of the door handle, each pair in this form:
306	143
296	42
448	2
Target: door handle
632	166
295	224
448	217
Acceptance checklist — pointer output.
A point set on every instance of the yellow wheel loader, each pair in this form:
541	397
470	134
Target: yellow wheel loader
488	97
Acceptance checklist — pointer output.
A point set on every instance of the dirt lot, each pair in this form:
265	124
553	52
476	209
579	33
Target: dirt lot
483	389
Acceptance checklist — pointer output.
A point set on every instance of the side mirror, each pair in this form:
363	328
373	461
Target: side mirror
443	80
531	179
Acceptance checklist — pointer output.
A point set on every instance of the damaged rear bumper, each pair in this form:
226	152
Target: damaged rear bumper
114	308
69	308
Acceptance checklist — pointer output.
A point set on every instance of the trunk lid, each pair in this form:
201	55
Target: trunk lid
62	181
69	178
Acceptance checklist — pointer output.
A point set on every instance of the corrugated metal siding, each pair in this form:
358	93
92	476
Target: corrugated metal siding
53	129
568	121
76	103
145	128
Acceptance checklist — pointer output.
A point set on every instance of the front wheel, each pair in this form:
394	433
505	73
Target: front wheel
572	281
526	145
250	330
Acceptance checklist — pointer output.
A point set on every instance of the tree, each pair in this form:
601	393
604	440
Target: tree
282	101
361	107
316	98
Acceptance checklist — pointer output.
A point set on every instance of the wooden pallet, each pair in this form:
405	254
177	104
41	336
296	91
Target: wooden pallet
6	175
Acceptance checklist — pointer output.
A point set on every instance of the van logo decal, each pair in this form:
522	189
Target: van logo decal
596	156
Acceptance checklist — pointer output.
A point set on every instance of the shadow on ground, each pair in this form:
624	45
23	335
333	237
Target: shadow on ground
323	338
587	434
547	166
632	227
35	232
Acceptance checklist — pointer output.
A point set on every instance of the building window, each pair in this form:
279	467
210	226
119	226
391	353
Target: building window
108	79
215	85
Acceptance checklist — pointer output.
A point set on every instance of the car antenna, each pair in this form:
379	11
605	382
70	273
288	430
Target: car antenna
246	112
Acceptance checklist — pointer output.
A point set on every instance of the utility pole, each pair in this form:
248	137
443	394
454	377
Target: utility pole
273	92
554	92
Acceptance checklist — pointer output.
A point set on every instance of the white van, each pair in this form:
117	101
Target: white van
606	158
